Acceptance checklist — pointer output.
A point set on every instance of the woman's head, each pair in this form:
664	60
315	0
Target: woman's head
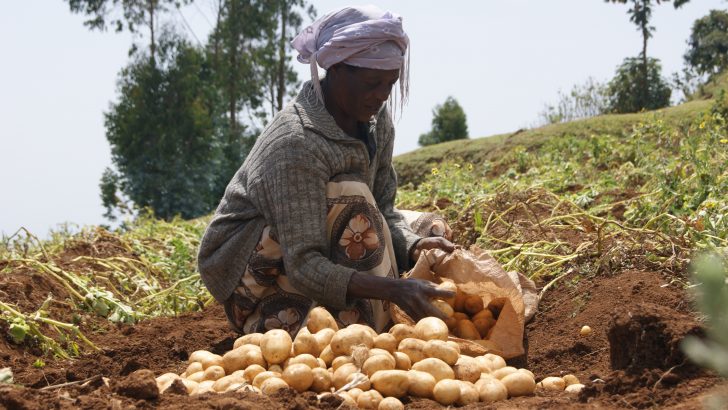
362	48
359	92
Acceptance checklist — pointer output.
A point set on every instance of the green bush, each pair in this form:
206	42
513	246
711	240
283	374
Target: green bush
635	88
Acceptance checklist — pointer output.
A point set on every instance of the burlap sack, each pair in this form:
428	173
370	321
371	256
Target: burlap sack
476	272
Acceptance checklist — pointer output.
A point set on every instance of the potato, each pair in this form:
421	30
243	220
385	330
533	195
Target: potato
460	316
321	363
443	307
251	371
275	368
468	394
213	373
206	358
441	350
570	379
306	343
585	330
363	382
322	380
454	345
574	388
327	356
386	341
355	393
263	376
390	403
491	389
436	367
421	384
358	326
193	367
391	383
459	304
347	399
369	400
341	374
503	372
452	287
467	369
431	328
197	376
345	340
241	358
320	318
299	376
451	323
205	386
323	337
306	359
225	382
552	383
496	305
414	348
276	346
473	304
466	330
483	326
483	314
402	361
378	362
528	372
273	385
166	380
519	384
494	361
377	351
341	360
249	339
401	331
446	391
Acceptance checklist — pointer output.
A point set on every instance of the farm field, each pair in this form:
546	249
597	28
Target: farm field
604	215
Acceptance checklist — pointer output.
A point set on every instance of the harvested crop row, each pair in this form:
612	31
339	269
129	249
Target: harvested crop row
366	369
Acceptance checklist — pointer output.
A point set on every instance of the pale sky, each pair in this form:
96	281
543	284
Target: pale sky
502	60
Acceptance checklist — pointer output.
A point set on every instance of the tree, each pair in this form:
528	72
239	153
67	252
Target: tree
626	90
279	76
164	135
583	101
448	123
134	14
708	44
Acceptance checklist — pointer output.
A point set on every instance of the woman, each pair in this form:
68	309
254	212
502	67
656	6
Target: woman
309	217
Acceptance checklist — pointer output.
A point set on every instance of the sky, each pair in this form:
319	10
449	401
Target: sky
503	60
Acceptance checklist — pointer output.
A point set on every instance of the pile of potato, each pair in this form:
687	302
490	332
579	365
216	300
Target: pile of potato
467	316
368	370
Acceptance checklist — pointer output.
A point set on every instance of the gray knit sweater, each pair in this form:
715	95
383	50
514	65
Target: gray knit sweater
282	183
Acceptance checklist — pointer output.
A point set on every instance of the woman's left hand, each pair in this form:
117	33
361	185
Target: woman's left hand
433	242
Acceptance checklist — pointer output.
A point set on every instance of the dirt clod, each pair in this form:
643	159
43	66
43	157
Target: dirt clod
138	385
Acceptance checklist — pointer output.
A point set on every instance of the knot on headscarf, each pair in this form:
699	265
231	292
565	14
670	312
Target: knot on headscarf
362	36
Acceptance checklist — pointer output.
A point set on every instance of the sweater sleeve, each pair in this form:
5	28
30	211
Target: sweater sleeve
385	191
290	192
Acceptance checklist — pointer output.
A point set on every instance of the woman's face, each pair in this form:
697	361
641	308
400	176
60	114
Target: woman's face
360	92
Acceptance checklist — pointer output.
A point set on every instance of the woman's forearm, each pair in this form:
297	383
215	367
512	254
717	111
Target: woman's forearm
371	287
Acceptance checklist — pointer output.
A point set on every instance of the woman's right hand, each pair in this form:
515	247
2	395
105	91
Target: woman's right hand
414	295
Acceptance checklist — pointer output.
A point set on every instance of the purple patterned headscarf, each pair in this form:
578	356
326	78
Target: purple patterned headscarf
362	36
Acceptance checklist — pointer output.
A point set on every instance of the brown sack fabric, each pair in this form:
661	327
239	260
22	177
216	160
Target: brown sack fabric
476	272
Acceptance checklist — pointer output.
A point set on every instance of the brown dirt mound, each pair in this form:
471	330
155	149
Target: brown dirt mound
631	359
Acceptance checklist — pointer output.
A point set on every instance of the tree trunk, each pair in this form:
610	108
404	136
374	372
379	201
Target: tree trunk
152	46
233	68
282	55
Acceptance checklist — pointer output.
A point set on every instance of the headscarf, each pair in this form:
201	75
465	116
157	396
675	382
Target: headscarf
362	36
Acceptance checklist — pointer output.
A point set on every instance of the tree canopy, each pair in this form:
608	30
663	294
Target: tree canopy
448	123
626	91
708	44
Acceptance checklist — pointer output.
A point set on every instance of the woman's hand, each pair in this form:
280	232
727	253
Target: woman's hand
413	296
433	242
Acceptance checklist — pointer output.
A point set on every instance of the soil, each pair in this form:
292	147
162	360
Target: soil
630	360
